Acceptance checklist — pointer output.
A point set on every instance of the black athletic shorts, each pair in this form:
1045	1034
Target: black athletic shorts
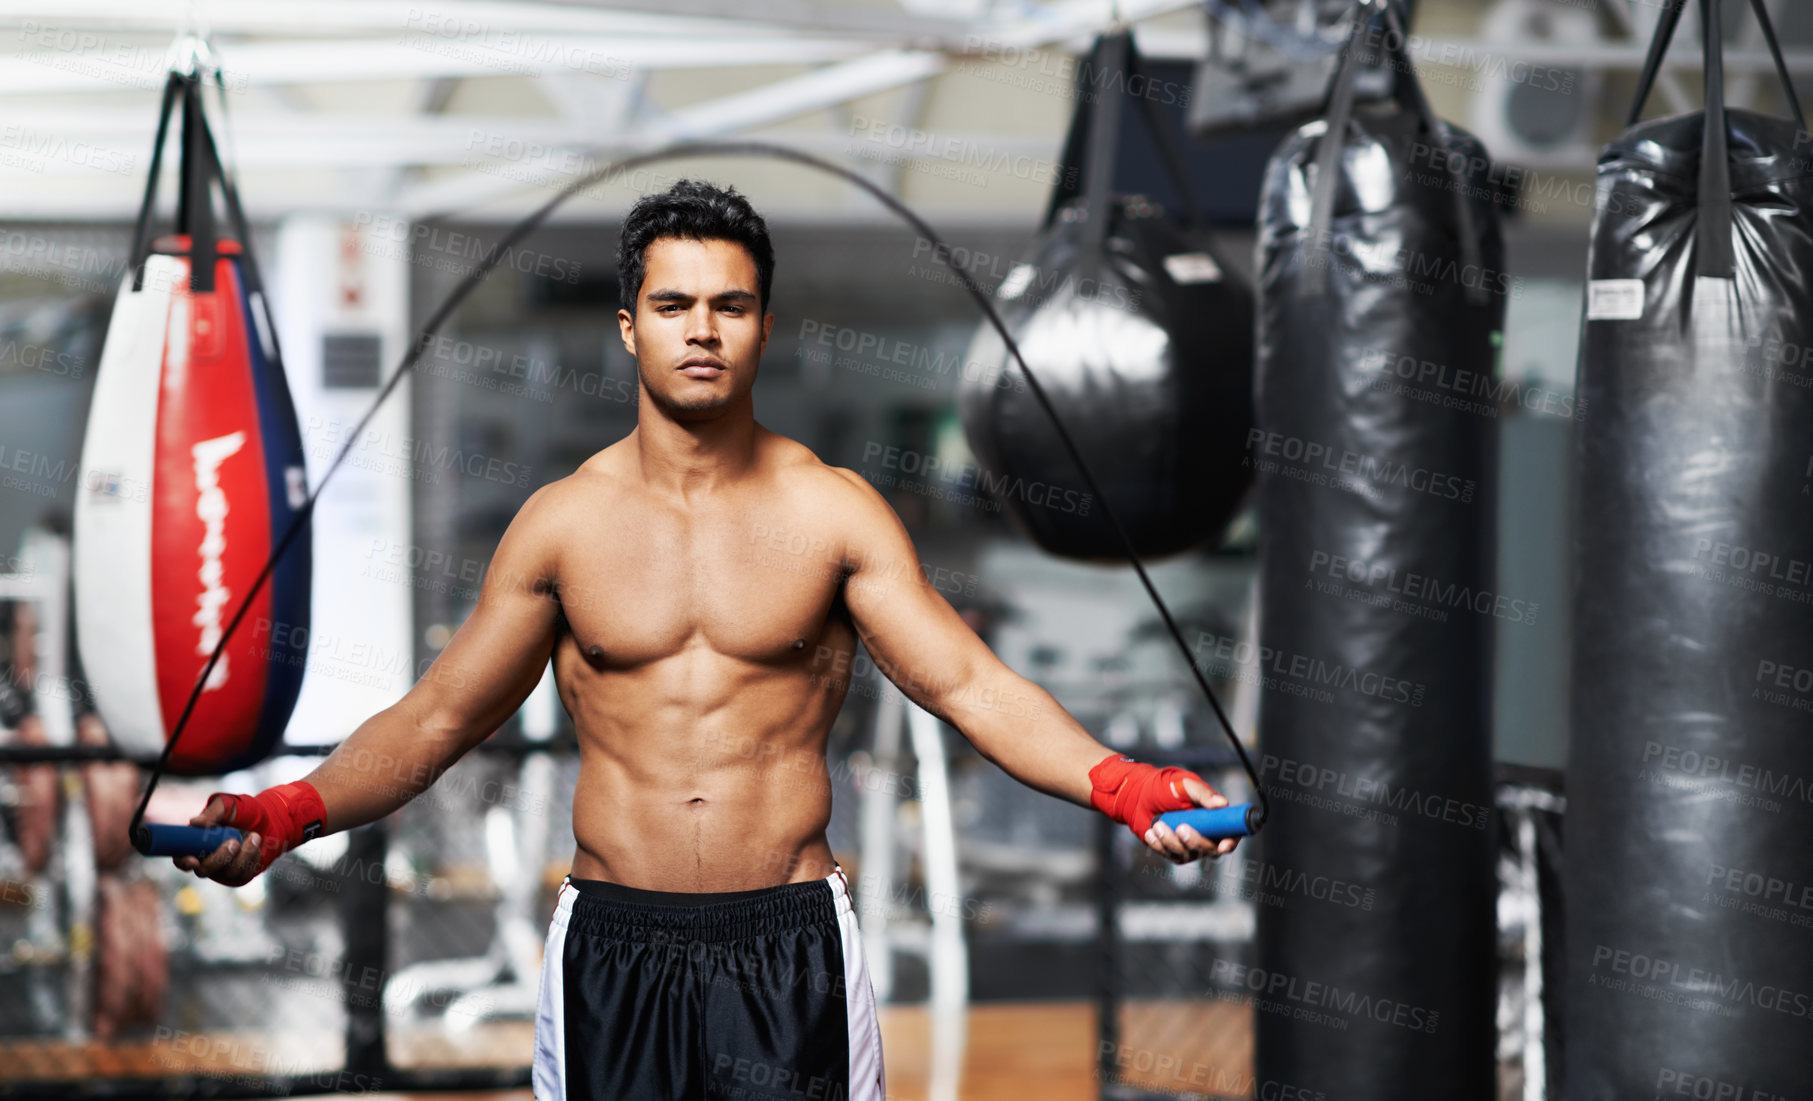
750	995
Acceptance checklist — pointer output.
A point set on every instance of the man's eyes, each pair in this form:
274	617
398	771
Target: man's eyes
671	306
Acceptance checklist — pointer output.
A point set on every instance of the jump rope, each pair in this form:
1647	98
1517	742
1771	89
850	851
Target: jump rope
1217	824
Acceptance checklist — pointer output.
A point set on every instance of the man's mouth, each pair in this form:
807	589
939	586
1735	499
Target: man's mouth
701	368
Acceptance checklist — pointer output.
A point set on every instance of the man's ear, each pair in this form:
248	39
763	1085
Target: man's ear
767	328
626	328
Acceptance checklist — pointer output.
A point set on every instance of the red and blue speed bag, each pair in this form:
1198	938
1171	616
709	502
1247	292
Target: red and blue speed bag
192	472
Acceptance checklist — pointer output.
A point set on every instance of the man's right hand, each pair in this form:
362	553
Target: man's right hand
274	821
234	863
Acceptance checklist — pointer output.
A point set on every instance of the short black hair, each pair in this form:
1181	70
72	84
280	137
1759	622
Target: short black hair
697	210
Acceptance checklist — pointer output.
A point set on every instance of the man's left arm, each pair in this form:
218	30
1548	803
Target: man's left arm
921	644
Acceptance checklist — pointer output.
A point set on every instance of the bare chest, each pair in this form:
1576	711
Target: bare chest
748	583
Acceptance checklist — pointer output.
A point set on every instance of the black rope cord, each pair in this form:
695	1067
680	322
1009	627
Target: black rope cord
528	225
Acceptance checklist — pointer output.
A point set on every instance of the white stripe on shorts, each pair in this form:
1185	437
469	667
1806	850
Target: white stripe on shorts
550	1069
868	1078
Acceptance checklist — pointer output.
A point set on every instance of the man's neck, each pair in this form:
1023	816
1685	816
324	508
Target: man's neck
687	457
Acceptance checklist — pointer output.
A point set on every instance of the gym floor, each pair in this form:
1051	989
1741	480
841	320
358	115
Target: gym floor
1009	1051
1013	1052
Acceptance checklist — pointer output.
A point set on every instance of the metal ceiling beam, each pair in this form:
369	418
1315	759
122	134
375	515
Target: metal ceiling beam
391	40
428	141
728	115
1179	45
308	17
38	73
1608	55
1059	22
877	25
836	18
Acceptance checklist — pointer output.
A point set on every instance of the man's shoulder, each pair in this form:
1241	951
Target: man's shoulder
550	510
843	506
801	471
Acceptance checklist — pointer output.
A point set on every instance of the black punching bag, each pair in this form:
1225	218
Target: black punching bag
1689	879
1141	339
1381	298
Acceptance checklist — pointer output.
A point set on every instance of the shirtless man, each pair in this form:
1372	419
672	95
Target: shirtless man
701	587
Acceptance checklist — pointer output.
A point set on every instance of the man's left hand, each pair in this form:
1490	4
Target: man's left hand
1183	845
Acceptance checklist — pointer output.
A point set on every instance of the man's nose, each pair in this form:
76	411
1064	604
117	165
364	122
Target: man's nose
701	325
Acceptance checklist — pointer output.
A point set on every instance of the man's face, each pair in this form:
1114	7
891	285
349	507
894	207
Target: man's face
698	333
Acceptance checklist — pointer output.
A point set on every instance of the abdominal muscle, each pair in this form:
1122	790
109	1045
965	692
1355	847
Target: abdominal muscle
700	790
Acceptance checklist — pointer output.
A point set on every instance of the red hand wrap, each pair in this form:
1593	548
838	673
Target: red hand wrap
1133	794
283	817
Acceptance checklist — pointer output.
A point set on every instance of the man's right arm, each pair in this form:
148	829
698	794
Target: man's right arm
487	669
